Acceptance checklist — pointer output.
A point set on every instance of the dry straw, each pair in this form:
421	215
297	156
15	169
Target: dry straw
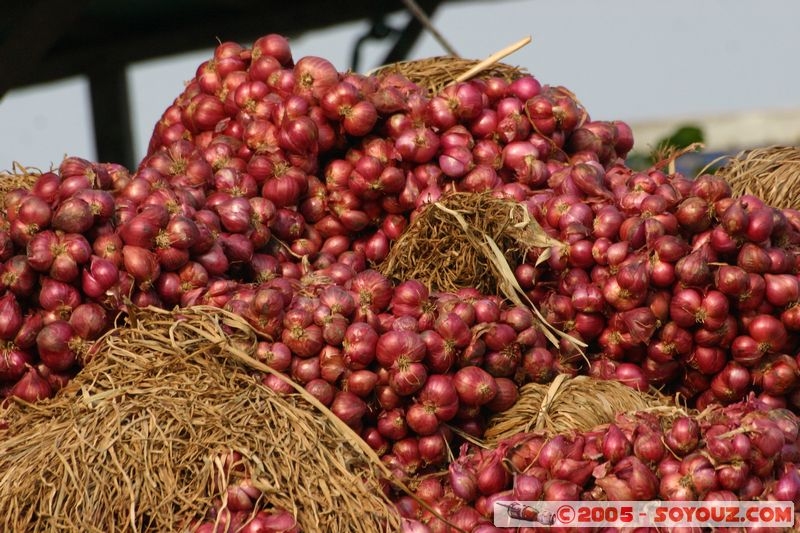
130	444
447	245
436	73
771	173
19	178
580	403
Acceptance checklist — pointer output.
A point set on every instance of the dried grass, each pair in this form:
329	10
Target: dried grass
130	443
771	173
580	403
19	178
447	247
435	73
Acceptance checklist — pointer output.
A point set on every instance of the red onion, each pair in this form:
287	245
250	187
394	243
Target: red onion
276	355
98	277
649	447
539	365
439	397
10	317
527	488
463	482
731	383
422	420
407	378
56	345
754	259
361	383
417	145
700	473
760	225
684	435
499	336
142	264
630	479
732	280
89	321
331	363
304	340
685	306
632	376
304	370
360	343
693	214
507	395
764	434
768	332
779	376
13	363
481	178
588	298
781	290
314	76
674	488
475	386
430	490
58	297
492	476
486	311
620	298
109	247
392	424
32	387
615	444
373	290
349	408
560	490
407	452
73	216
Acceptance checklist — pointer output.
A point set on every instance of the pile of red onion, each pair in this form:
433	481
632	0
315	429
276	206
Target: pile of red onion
229	193
399	365
743	451
383	149
272	187
672	282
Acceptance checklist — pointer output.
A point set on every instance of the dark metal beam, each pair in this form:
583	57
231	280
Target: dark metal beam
410	34
110	114
78	51
36	29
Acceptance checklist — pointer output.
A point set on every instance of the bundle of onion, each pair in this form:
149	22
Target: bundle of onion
744	451
399	365
672	282
253	121
233	187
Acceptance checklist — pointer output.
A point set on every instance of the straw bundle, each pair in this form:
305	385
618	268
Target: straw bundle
133	443
580	403
454	243
435	73
771	173
19	178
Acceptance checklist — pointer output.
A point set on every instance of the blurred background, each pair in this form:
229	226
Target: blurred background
90	77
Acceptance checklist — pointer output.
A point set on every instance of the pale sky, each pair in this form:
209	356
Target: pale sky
625	59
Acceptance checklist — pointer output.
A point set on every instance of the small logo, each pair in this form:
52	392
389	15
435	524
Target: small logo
527	513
